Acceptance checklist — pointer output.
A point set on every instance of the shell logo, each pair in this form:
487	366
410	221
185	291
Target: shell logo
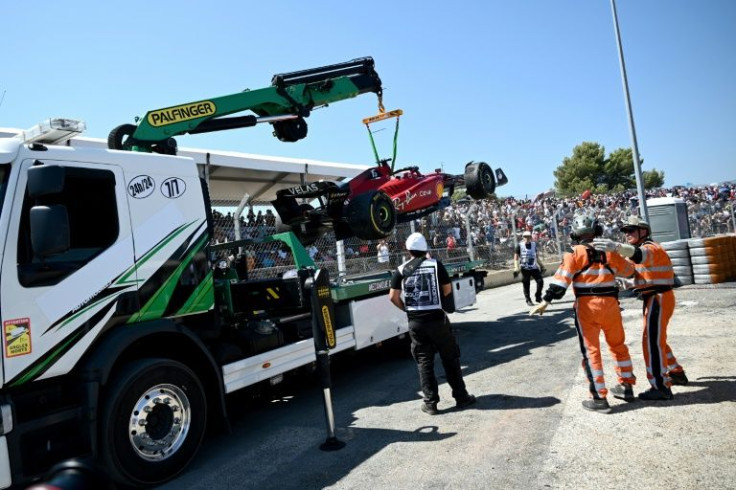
439	189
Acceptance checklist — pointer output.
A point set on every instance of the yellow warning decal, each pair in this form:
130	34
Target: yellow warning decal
181	113
17	335
329	329
323	292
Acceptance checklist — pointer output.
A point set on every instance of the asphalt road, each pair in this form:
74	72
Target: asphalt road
528	429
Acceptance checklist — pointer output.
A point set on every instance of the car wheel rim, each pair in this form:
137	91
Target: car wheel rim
159	422
487	180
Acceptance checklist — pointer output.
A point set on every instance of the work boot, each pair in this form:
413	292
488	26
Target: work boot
678	378
597	405
655	394
624	391
529	302
430	408
465	402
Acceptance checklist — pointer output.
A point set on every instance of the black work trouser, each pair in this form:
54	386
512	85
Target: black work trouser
428	339
526	279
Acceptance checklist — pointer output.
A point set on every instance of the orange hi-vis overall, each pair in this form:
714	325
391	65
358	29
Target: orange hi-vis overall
653	283
593	278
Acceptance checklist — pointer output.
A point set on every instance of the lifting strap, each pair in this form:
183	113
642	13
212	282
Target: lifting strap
382	116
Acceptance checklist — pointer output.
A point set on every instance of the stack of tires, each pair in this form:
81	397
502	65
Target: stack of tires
679	253
713	259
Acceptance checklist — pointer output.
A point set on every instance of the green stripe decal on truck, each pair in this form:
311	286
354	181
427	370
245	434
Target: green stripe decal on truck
202	299
156	306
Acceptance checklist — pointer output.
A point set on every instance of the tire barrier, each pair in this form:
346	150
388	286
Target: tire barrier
713	259
679	254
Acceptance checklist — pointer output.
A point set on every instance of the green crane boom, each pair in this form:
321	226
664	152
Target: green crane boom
285	104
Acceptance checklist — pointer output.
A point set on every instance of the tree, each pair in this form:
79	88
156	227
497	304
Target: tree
589	169
458	194
582	171
652	178
619	170
461	194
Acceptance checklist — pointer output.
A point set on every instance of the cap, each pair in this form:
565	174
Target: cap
635	222
416	242
527	233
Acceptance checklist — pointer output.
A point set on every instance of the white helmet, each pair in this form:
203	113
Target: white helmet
585	227
416	242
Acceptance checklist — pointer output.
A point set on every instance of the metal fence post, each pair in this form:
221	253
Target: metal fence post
471	249
340	248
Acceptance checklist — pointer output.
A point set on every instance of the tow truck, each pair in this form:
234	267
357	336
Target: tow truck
122	332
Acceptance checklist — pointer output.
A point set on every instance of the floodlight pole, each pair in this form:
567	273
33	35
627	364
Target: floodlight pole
643	212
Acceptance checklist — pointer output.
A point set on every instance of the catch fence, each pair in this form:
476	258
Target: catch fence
469	241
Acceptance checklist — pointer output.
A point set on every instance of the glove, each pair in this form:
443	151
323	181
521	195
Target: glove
626	250
539	309
606	245
517	269
625	283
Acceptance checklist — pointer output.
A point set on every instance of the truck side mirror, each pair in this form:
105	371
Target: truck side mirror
45	179
49	230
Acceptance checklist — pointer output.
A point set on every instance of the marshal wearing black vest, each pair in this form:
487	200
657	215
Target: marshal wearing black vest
420	287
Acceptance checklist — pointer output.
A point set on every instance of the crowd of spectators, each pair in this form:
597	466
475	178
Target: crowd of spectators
491	226
492	222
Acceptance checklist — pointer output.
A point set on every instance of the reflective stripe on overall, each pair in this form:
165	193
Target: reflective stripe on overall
658	356
597	309
653	282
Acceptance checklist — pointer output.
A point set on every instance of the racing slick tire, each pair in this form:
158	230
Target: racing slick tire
480	182
153	422
371	215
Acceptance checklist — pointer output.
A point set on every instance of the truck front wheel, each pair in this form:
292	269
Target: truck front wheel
153	421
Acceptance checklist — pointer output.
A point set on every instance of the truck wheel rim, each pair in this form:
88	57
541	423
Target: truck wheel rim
159	422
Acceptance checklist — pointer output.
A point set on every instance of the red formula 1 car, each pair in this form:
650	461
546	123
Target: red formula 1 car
370	205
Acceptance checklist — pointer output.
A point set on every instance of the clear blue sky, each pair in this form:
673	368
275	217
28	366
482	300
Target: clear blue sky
517	84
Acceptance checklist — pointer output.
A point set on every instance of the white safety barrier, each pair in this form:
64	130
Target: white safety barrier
713	259
679	253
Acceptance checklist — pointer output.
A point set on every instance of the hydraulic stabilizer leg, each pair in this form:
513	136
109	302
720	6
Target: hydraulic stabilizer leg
323	323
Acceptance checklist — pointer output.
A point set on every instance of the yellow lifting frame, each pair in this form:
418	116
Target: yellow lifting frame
382	116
